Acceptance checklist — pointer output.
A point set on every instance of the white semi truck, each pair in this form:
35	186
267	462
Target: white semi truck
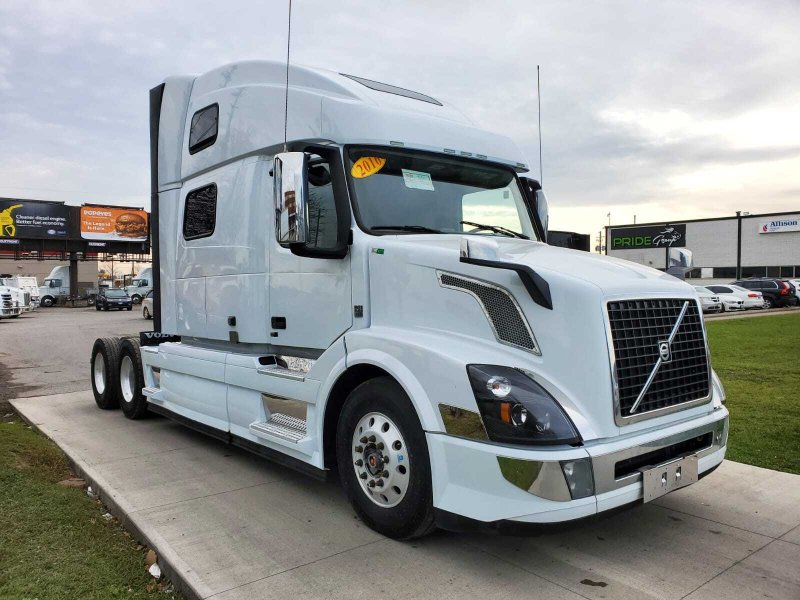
140	285
28	290
375	296
56	288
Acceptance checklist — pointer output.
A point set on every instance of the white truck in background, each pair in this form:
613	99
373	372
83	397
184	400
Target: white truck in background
12	302
375	295
56	288
29	289
140	285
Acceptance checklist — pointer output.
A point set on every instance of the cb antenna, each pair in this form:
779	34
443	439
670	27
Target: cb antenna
539	98
286	96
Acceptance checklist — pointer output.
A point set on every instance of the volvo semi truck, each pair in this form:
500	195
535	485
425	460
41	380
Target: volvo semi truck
28	289
366	288
140	285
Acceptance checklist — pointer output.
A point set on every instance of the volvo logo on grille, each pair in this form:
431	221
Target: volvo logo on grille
665	351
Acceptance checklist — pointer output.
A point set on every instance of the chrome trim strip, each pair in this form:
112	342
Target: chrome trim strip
536	348
621	420
280	405
604	465
282	373
660	361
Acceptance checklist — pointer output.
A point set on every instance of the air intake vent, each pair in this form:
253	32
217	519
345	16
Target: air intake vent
502	311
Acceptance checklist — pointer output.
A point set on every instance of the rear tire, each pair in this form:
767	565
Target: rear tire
406	510
131	380
145	312
769	302
104	371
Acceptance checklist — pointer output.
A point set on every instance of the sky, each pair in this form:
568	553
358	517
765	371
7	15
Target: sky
662	111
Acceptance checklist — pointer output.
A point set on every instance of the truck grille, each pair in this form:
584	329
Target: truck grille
5	301
637	329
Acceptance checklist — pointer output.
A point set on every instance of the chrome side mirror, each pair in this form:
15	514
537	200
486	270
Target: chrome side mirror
290	178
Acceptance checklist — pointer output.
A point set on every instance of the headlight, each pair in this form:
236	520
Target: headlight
719	391
517	410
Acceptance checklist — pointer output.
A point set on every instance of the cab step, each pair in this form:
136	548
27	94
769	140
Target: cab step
281	426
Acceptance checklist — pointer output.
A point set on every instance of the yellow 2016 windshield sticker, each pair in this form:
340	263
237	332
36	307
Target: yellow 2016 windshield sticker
366	166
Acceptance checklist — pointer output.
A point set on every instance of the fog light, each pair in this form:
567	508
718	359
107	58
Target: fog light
578	474
499	386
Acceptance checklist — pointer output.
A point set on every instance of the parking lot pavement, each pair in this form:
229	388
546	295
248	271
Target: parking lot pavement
232	526
47	352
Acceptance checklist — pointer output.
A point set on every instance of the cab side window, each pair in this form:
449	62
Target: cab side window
322	217
203	130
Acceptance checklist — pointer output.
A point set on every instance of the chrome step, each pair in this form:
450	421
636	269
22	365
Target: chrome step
281	426
277	371
153	393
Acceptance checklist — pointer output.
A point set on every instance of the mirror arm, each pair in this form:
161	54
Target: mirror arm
535	284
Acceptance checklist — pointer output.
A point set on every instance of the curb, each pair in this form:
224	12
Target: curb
172	566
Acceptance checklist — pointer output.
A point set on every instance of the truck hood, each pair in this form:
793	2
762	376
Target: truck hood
573	338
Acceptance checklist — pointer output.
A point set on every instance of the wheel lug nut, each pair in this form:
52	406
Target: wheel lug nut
385	474
379	483
379	445
359	448
372	484
359	463
371	438
363	440
363	475
386	460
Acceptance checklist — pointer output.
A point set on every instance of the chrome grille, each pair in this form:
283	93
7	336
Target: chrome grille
5	300
637	328
506	318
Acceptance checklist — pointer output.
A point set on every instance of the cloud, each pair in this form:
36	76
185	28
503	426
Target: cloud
656	109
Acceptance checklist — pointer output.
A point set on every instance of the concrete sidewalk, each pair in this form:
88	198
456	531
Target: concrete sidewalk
231	526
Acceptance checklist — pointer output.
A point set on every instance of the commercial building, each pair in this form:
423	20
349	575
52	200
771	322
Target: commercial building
724	248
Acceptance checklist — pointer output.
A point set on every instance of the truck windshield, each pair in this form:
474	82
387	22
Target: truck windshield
116	293
416	192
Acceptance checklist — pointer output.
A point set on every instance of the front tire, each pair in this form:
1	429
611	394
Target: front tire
47	301
131	380
383	460
136	299
104	367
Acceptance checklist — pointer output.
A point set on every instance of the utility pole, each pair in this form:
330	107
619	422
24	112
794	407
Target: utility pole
738	245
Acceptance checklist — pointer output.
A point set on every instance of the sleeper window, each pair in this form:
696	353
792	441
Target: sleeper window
203	132
200	212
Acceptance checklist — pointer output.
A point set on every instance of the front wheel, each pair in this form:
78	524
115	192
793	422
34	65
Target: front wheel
47	301
136	299
383	460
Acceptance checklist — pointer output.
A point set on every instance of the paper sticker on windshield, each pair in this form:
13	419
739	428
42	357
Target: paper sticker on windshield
366	166
417	180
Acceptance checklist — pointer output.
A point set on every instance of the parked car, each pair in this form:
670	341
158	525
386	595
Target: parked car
796	284
109	298
776	292
147	305
750	298
730	299
709	302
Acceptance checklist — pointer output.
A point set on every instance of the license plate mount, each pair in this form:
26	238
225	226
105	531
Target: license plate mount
668	477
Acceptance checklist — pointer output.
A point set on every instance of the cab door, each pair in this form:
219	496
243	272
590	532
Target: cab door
310	289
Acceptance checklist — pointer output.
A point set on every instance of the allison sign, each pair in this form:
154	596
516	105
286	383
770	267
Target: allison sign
779	226
657	236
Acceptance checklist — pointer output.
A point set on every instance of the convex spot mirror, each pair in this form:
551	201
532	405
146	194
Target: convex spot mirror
290	177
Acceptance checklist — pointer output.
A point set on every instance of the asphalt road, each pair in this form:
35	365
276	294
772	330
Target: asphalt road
48	351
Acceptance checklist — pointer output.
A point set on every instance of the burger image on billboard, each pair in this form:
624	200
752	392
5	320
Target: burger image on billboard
112	223
131	225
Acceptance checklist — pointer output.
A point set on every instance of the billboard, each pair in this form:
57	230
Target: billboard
658	236
113	224
30	219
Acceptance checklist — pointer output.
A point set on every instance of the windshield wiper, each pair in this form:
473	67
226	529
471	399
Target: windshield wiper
417	228
496	229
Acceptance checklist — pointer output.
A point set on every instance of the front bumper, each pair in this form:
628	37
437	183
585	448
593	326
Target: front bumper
469	482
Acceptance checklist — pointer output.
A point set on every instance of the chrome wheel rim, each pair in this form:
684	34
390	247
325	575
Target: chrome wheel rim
380	460
99	373
127	379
